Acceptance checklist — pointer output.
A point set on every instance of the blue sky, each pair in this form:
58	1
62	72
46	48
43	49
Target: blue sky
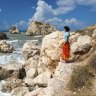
75	13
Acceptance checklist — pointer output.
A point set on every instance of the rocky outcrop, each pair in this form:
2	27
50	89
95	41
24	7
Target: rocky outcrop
3	36
14	30
71	79
30	50
39	28
5	47
87	31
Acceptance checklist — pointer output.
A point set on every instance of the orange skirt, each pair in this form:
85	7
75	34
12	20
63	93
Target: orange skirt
65	51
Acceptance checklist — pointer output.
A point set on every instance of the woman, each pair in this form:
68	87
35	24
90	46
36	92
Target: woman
65	45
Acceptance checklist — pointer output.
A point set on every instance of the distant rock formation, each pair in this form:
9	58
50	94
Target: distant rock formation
3	36
14	30
87	31
39	28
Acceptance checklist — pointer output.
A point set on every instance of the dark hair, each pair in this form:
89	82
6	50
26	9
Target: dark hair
67	28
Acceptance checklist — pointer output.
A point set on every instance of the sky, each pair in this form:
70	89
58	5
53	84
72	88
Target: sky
75	13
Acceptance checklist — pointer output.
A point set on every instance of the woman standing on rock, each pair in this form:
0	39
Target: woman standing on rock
65	45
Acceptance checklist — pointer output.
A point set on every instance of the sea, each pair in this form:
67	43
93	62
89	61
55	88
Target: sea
17	40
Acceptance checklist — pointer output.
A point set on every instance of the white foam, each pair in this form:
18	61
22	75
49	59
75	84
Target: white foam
16	57
5	94
15	43
38	36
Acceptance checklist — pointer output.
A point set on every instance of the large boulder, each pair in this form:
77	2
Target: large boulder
42	79
6	47
10	84
30	50
3	36
39	28
64	71
57	88
12	71
51	51
31	63
82	46
14	30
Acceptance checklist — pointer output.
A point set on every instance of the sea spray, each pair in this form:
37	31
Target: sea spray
17	55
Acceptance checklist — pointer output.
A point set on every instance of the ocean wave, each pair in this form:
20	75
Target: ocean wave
5	94
15	57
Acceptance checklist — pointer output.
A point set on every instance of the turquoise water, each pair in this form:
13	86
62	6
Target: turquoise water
22	36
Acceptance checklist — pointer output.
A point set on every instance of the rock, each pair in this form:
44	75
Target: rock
94	86
31	63
64	71
31	73
87	40
39	28
55	88
42	79
34	93
51	51
12	71
14	30
87	31
3	36
29	82
5	47
94	34
19	91
73	37
10	84
82	46
31	68
30	50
